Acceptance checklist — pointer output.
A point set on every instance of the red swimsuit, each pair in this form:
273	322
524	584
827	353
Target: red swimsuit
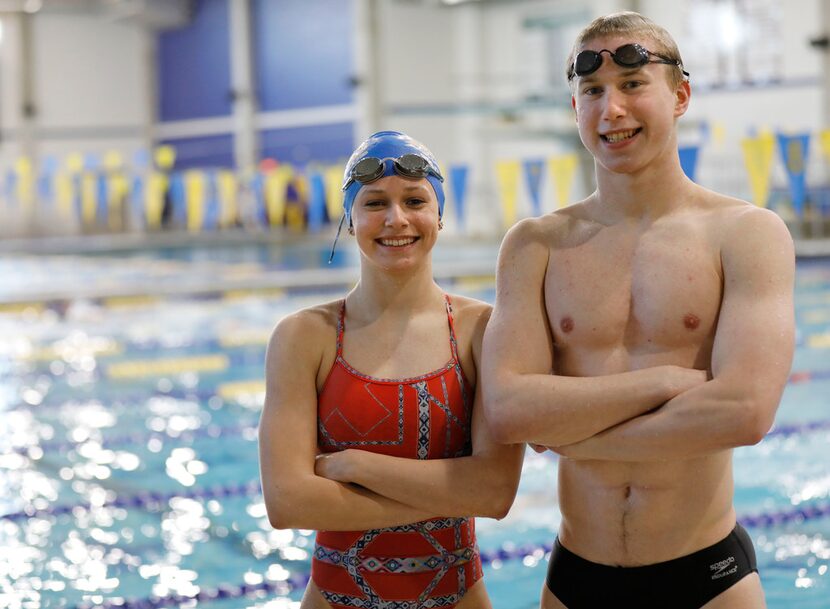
425	564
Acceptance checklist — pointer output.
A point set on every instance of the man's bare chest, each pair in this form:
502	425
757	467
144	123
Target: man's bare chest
655	292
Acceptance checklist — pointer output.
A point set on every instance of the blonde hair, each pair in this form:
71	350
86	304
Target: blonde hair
634	24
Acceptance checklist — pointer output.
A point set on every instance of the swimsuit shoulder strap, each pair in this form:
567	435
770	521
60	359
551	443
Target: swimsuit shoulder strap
453	341
341	327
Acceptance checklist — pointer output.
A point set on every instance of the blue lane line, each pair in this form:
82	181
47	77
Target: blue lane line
186	438
154	501
299	580
220	592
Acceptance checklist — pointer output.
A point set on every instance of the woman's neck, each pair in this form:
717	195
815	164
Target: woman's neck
380	292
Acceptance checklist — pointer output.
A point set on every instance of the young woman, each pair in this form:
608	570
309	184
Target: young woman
372	431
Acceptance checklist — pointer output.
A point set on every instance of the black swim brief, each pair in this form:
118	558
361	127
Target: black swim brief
688	582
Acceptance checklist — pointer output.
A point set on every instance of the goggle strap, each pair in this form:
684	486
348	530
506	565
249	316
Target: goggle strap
337	236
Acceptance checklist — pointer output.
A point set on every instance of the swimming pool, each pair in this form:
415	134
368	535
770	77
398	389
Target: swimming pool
129	458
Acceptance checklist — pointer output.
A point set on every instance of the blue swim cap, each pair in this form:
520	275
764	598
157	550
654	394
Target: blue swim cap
386	145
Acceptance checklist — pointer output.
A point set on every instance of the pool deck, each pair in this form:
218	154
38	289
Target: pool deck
95	267
109	274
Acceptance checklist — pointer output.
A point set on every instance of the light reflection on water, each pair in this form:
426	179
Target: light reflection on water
52	391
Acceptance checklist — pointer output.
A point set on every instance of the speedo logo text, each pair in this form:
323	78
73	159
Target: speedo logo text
721	568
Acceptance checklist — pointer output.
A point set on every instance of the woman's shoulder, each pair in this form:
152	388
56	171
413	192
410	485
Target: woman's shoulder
468	306
470	315
309	326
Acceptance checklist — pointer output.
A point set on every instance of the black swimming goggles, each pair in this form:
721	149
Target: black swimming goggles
630	55
409	165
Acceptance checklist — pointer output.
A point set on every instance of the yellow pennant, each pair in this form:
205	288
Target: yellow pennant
333	179
719	135
295	210
165	157
562	171
113	160
824	138
75	162
758	155
276	183
89	198
118	187
154	199
228	205
64	191
301	185
507	173
294	217
25	182
194	196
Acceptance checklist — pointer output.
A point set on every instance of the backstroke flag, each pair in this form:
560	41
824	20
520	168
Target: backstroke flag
825	143
458	183
563	168
758	153
794	150
533	169
316	201
507	173
688	160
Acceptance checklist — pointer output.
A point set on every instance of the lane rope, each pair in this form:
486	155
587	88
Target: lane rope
220	592
229	391
507	552
186	437
155	501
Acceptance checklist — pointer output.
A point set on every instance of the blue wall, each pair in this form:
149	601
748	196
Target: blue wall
299	145
303	52
194	66
302	55
205	151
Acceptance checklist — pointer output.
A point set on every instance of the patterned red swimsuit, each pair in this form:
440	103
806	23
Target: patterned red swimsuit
425	564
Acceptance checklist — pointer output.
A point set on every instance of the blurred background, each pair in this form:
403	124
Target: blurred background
137	116
170	177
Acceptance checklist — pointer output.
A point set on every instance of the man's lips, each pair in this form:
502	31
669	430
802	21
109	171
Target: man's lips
614	137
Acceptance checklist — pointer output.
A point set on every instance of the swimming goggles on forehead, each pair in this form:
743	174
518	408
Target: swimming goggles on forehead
409	165
630	55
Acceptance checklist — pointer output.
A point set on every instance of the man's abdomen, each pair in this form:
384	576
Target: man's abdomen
631	514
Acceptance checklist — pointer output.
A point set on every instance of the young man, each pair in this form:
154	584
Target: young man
642	334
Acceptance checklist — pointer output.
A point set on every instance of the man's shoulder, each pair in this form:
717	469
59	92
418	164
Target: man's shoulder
743	227
547	230
736	214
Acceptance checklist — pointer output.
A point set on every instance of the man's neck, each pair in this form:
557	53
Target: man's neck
647	194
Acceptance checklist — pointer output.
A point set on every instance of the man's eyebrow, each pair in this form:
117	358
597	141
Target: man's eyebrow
631	71
625	73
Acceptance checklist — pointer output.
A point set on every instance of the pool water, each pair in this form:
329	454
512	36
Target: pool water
129	461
